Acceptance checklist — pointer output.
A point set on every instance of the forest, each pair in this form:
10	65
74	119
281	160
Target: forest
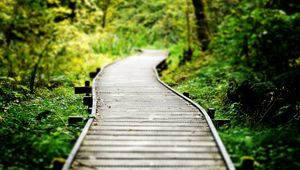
241	57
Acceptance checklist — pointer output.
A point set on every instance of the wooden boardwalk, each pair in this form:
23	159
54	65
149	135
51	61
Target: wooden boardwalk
141	124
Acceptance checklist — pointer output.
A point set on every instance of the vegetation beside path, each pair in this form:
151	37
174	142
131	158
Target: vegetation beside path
250	74
238	56
49	46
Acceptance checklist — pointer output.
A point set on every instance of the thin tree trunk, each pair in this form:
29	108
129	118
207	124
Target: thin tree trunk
188	52
202	24
11	72
105	9
72	6
188	24
36	66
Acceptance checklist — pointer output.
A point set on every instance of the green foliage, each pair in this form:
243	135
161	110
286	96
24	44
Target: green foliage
270	141
266	40
250	72
35	126
156	23
268	147
251	75
40	37
49	46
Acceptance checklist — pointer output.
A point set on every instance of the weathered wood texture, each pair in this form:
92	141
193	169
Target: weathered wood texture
140	124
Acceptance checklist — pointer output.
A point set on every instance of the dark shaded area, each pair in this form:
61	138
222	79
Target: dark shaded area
202	24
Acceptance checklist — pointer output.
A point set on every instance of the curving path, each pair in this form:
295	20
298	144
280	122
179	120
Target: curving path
140	124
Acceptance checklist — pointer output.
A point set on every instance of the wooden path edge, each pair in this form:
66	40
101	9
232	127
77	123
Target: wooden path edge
224	153
84	132
87	126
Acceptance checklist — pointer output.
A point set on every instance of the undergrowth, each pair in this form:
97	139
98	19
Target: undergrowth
34	127
250	74
209	81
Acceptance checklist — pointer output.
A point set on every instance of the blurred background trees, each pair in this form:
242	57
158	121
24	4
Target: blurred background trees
239	56
38	37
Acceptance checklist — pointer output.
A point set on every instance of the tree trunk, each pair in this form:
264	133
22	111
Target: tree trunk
188	23
36	66
105	9
189	52
33	74
72	6
202	24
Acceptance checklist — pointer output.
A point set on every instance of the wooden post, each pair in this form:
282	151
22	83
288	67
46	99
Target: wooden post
211	112
247	163
87	84
90	110
74	119
220	122
93	74
88	100
98	70
82	90
186	94
138	50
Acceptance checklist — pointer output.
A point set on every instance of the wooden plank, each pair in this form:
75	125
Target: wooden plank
147	117
161	156
149	133
111	96
149	163
154	120
137	112
145	138
164	149
148	103
165	116
82	167
146	120
133	108
157	124
150	141
130	128
132	88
